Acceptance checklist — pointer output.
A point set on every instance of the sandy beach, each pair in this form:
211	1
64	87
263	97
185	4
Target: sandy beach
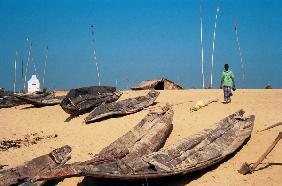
87	140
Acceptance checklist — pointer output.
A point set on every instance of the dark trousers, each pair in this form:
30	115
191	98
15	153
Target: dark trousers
227	93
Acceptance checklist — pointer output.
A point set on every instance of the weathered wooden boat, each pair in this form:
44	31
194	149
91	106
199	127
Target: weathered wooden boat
25	173
81	100
146	137
187	155
8	101
36	95
127	106
45	101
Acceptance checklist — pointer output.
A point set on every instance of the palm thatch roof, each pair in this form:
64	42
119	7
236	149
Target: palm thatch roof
160	84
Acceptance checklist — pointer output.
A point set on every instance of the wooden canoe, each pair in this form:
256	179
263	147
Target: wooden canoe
146	137
123	107
8	100
36	95
46	101
187	155
26	172
81	100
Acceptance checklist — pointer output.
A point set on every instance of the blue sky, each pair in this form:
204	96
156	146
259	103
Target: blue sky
141	39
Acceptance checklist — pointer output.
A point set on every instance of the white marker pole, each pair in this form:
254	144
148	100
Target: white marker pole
213	43
34	67
240	52
94	55
15	75
202	48
45	64
27	63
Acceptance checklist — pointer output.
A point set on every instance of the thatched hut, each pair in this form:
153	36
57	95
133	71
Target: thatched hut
268	87
160	84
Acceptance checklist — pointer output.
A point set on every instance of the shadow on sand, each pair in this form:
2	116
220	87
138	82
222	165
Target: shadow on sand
31	107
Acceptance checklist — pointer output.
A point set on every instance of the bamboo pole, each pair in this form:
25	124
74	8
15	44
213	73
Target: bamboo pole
15	71
240	51
27	63
249	168
22	86
202	48
94	55
272	126
213	45
45	64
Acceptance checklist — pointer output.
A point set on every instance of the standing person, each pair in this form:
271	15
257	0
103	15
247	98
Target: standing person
227	82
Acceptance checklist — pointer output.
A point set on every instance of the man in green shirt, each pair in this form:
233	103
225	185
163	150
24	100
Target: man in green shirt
227	82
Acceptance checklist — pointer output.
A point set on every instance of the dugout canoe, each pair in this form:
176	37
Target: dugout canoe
146	137
23	174
81	100
45	101
187	155
123	107
8	101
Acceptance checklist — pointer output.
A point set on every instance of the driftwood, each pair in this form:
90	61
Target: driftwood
271	126
249	168
146	137
81	100
28	139
187	155
27	171
123	107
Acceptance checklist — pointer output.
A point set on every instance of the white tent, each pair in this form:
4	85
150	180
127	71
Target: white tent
33	84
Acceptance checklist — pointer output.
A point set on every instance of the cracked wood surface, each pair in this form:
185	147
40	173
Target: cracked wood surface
146	137
45	101
127	106
187	155
24	173
81	100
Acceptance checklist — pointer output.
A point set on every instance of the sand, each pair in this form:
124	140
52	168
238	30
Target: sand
87	140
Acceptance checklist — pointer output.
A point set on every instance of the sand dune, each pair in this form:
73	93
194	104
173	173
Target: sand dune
90	139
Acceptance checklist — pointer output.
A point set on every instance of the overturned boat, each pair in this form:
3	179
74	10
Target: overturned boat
127	106
187	155
146	137
23	174
81	100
